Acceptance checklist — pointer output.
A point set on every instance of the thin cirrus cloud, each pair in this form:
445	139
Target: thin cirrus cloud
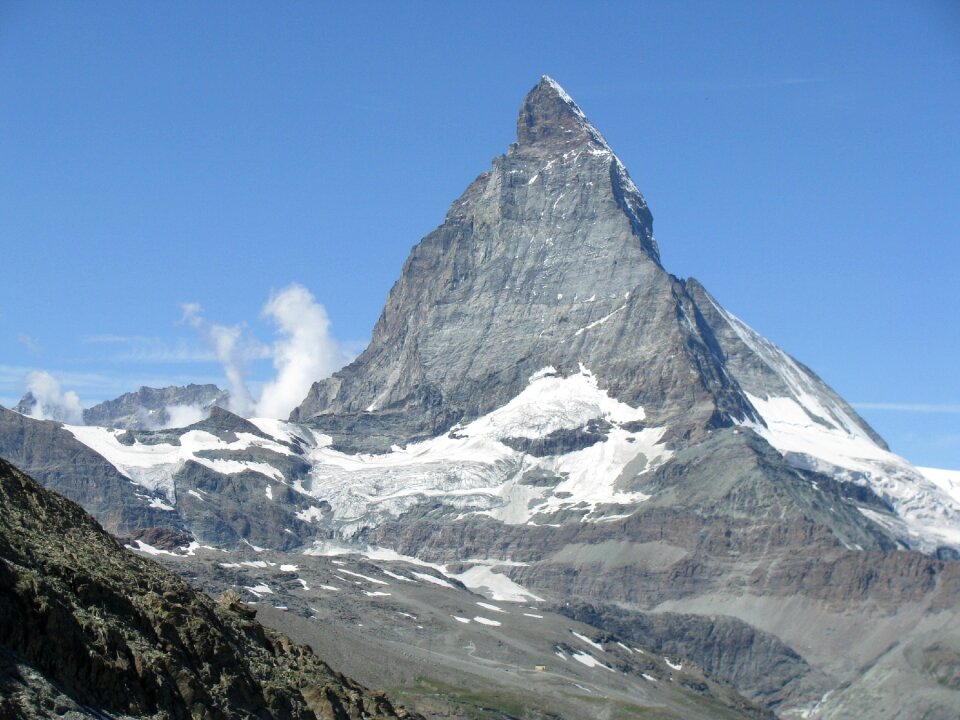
13	380
764	83
30	343
756	83
947	408
235	347
147	349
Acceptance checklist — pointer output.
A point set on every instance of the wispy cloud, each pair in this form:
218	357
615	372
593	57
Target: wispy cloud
235	347
303	351
15	376
30	343
147	349
948	408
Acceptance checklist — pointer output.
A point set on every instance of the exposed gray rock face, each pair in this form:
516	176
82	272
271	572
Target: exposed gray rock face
546	259
756	663
150	408
27	404
59	461
559	442
225	510
206	505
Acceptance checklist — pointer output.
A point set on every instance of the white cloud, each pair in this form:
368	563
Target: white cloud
235	348
30	343
179	416
51	402
227	342
304	352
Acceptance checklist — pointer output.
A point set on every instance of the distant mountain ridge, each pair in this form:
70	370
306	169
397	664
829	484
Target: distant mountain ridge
146	409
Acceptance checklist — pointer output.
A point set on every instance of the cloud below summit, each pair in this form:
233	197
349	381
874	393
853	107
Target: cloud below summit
51	402
951	408
303	351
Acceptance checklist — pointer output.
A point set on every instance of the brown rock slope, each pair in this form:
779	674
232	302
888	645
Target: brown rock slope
89	629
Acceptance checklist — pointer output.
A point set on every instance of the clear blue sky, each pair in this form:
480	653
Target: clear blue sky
801	159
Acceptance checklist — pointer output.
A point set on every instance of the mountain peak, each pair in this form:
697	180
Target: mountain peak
549	114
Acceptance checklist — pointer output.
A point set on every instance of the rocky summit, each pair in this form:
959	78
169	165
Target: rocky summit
547	418
547	260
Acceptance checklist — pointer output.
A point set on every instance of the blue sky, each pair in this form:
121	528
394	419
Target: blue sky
802	160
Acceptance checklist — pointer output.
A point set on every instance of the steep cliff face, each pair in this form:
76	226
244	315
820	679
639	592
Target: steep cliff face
91	629
547	267
59	461
547	259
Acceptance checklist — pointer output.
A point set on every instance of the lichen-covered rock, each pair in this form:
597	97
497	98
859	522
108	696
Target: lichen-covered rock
86	624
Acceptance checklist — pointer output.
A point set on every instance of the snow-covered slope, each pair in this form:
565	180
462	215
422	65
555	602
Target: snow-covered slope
816	430
503	465
946	480
472	469
153	465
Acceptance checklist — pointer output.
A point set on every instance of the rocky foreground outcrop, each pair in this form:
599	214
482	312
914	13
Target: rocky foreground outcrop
89	629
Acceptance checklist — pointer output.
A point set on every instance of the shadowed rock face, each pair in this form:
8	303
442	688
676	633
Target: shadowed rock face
87	624
546	259
59	461
236	510
758	664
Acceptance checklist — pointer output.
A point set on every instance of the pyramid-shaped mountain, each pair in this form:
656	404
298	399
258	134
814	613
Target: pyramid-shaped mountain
547	266
547	260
